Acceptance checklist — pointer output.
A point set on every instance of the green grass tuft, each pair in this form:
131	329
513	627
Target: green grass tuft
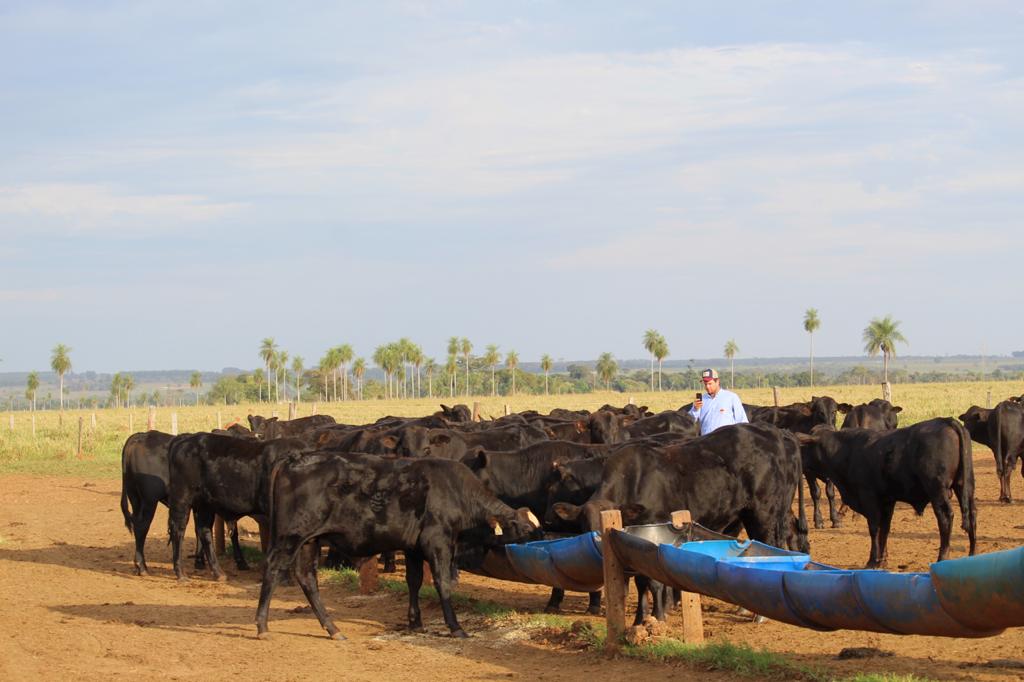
884	677
724	656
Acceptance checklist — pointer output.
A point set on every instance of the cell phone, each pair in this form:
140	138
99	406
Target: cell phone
699	395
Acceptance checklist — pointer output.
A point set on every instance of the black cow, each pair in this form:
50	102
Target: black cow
417	441
919	464
366	505
1002	430
744	474
669	421
880	415
268	429
458	413
219	475
144	476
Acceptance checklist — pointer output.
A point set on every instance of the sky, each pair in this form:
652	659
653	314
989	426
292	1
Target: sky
179	180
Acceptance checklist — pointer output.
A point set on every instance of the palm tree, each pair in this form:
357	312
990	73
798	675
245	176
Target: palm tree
417	359
298	364
512	361
268	349
466	347
260	378
452	368
196	382
545	365
281	368
429	366
116	388
381	360
344	356
129	383
32	385
882	335
60	362
491	359
606	369
730	351
651	338
453	351
358	370
660	352
811	324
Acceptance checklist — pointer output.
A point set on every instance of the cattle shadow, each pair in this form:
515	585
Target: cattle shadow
119	561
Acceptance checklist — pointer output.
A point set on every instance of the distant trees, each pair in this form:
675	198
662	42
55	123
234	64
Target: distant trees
344	355
31	386
606	369
730	350
545	365
466	347
196	382
881	335
60	362
298	365
268	351
491	359
452	366
660	352
358	370
512	361
651	339
811	324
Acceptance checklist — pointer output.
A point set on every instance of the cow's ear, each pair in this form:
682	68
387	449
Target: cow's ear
631	513
566	511
440	439
480	461
897	409
581	425
844	407
562	473
805	410
445	408
549	433
524	515
390	442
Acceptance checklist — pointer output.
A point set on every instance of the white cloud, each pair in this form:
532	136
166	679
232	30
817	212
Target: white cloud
86	208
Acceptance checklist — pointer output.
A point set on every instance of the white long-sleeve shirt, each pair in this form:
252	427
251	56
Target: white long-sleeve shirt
723	409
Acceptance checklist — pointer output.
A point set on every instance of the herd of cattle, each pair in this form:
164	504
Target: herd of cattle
445	489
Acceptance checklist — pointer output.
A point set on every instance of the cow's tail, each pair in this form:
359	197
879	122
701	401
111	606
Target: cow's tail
124	488
965	483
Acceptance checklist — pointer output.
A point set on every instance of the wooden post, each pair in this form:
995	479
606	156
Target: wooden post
218	534
507	412
476	412
315	408
151	422
12	421
80	422
693	620
368	581
273	414
291	411
219	422
887	391
631	402
614	583
93	421
174	423
775	395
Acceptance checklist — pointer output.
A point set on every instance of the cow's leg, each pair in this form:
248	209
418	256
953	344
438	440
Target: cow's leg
236	548
1007	474
594	603
944	515
439	556
554	604
305	573
643	585
389	562
872	516
204	527
414	581
177	519
281	557
812	486
884	523
142	518
833	513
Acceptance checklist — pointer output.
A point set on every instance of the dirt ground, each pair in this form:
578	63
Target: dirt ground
71	608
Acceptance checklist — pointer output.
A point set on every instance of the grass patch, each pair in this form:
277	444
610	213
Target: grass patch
724	656
885	677
346	577
252	555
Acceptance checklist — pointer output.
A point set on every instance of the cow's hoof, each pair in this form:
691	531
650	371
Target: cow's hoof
459	634
594	611
263	636
415	628
337	637
552	609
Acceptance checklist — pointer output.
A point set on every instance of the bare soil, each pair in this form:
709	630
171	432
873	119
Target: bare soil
71	609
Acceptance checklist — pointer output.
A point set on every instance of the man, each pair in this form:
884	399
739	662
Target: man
717	407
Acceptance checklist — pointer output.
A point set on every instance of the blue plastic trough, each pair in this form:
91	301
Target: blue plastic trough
970	597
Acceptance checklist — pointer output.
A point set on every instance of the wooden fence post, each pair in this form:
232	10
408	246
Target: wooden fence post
291	411
151	422
273	414
476	412
614	583
12	421
507	412
775	395
315	408
174	423
368	581
93	421
693	620
81	421
219	422
631	401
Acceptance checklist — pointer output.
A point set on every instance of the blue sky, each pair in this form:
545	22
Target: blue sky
180	180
